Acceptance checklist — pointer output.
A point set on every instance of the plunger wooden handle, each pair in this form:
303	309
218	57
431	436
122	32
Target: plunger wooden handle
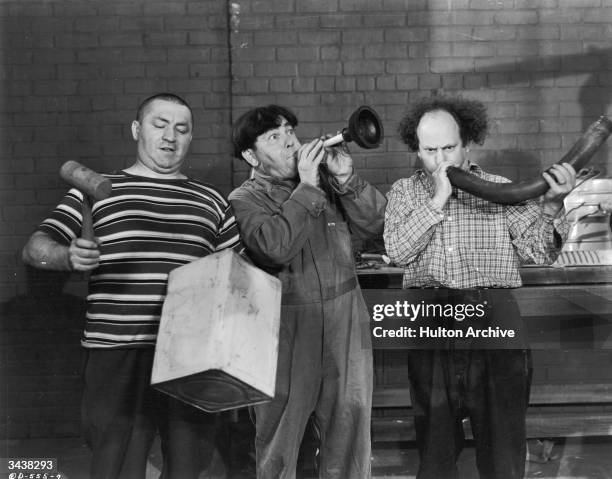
334	140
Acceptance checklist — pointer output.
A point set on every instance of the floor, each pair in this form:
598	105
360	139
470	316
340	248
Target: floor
571	458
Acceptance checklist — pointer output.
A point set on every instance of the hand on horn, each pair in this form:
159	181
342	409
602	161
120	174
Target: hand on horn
442	185
561	179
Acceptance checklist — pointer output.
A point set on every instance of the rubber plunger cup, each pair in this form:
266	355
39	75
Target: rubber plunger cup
364	128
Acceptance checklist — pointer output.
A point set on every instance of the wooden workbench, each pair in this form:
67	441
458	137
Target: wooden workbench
568	314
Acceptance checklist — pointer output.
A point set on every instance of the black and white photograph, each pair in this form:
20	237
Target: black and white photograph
306	239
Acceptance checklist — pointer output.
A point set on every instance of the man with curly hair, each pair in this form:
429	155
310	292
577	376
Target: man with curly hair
468	250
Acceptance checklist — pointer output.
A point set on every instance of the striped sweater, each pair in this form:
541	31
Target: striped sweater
146	228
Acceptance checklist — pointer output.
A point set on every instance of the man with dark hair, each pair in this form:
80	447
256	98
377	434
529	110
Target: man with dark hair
468	250
169	97
296	218
155	220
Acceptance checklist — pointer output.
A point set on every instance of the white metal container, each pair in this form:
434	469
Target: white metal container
217	346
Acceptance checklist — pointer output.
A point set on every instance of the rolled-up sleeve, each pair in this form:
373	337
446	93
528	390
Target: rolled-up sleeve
537	237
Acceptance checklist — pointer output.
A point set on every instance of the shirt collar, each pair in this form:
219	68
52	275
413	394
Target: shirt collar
269	182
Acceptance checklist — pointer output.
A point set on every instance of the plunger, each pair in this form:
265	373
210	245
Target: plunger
364	128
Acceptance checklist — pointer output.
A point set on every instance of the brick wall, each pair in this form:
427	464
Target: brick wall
74	71
542	68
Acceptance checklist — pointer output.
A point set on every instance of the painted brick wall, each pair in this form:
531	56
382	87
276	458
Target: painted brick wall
74	71
543	69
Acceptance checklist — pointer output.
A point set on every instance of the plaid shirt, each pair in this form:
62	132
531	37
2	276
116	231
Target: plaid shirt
470	242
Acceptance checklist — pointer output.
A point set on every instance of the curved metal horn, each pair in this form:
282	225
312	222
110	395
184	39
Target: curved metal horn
511	193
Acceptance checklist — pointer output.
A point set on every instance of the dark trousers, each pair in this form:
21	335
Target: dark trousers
121	414
467	378
491	387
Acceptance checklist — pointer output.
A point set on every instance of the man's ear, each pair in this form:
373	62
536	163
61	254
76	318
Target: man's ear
135	129
249	157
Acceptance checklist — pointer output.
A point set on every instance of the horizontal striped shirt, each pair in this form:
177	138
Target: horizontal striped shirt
146	228
469	243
